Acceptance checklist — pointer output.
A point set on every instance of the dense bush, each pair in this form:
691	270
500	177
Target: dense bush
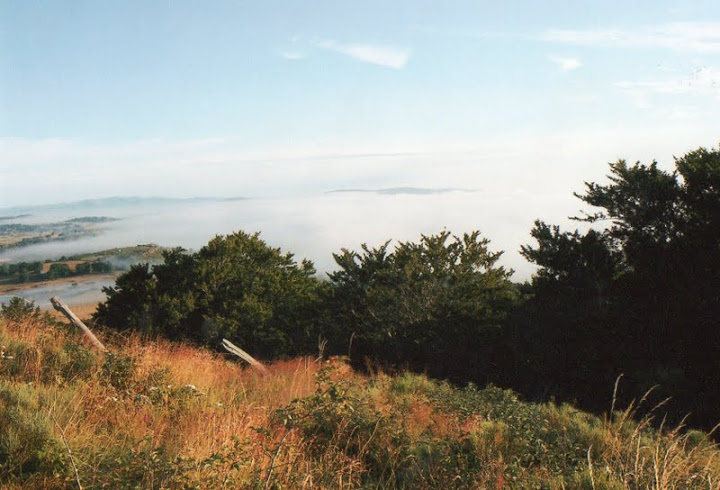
635	292
160	414
27	442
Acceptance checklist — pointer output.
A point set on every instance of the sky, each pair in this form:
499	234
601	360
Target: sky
271	98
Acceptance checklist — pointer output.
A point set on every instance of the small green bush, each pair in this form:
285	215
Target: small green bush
81	362
19	309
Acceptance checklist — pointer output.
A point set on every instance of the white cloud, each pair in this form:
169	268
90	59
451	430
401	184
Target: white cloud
388	56
679	113
293	55
702	81
702	37
227	167
565	64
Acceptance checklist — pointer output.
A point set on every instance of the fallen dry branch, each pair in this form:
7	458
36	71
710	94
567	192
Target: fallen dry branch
234	349
59	305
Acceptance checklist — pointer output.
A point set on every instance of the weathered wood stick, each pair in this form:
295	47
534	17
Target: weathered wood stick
63	308
234	349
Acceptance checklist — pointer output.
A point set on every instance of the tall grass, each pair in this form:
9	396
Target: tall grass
156	414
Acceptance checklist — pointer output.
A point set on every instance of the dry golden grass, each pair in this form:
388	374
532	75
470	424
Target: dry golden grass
185	417
225	402
232	398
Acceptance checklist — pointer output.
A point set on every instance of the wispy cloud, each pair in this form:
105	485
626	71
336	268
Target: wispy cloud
565	64
293	55
702	81
702	37
388	56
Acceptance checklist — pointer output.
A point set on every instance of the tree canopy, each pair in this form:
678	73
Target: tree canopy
645	280
236	287
438	303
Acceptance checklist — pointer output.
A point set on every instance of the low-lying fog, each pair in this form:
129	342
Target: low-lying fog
311	227
73	294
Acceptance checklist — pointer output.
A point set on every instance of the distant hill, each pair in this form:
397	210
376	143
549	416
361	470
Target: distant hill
402	190
14	235
107	202
17	216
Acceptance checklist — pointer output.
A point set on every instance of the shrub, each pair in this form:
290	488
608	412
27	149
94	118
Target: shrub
118	370
19	309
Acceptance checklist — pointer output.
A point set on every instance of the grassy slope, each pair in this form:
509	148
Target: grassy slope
163	415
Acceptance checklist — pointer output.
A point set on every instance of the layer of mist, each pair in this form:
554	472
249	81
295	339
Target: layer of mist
76	293
312	227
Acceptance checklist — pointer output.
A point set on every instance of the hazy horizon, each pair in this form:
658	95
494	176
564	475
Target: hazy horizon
312	227
281	102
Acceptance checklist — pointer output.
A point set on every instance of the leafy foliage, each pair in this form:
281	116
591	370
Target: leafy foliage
27	443
440	302
639	296
166	415
236	287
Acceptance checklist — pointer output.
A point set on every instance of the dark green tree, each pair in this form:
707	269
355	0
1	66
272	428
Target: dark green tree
82	268
18	309
35	267
439	304
236	287
101	267
58	270
131	302
639	296
23	274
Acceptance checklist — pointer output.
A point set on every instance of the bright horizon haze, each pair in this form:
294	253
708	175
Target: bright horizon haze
517	102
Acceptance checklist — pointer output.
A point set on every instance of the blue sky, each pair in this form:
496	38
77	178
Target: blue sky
275	72
258	98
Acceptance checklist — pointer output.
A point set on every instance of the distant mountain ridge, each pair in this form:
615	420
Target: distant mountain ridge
115	201
403	190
